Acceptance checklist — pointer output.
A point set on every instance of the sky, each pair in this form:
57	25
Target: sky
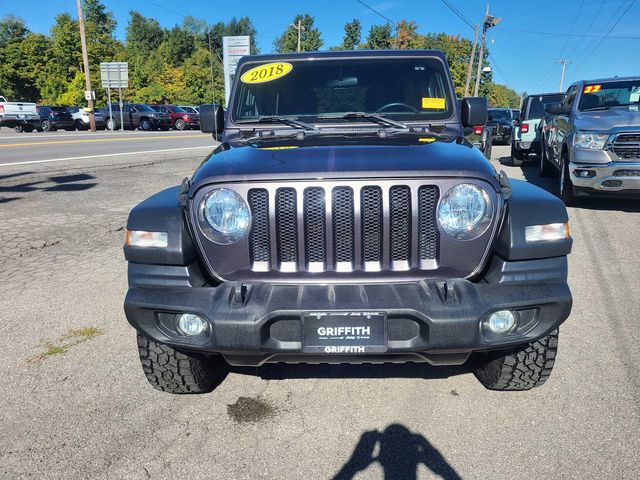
524	47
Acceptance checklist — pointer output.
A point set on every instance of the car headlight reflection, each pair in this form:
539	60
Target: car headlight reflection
590	140
465	211
224	216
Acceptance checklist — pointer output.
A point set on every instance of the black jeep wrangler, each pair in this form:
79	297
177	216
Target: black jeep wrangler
345	219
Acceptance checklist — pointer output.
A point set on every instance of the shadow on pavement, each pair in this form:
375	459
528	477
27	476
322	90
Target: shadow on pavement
62	183
399	453
282	371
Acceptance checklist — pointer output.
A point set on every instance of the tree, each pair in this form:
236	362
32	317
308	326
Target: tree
177	45
242	26
352	35
407	36
379	37
99	22
12	29
501	96
143	35
310	36
67	51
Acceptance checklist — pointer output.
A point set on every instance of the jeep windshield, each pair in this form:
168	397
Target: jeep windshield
331	91
596	96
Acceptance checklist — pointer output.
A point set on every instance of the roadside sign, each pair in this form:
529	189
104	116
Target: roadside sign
114	74
233	48
89	95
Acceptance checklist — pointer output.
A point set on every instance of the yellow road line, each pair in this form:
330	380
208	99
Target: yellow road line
97	140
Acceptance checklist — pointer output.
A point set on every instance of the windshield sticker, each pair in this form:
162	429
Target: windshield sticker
284	147
592	88
266	73
427	140
433	103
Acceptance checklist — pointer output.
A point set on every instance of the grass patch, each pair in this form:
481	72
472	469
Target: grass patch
65	342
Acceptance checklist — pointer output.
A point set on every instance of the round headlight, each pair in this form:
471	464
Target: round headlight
465	211
224	216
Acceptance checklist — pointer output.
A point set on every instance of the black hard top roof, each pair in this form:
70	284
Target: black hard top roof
271	57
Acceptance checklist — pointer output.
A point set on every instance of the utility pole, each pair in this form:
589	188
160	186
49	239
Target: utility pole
213	88
471	61
85	59
300	29
487	22
564	63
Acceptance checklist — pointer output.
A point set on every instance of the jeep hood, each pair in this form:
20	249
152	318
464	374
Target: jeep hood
604	120
456	158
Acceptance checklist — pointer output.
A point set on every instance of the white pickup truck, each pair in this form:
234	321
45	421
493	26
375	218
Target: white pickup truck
19	114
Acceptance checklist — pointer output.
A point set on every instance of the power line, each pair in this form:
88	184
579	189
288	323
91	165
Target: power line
376	12
562	34
573	25
607	34
593	20
458	14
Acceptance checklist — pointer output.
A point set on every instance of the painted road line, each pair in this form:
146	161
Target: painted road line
28	162
93	140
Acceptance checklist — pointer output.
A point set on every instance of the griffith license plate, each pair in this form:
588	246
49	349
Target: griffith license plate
345	333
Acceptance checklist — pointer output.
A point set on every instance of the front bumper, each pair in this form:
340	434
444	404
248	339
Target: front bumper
610	178
434	321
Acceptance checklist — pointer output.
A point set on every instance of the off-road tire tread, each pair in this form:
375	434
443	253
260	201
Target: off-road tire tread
521	368
169	370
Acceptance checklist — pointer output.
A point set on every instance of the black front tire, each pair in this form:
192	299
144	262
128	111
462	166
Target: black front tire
145	124
546	168
179	124
169	370
522	368
566	186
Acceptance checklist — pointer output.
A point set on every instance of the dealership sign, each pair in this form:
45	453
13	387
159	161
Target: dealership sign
233	48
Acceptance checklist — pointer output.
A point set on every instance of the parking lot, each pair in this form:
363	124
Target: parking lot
76	403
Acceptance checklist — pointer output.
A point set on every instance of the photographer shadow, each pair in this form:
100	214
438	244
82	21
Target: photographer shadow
399	453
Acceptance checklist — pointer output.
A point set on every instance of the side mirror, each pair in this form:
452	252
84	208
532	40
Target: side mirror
212	119
474	111
556	109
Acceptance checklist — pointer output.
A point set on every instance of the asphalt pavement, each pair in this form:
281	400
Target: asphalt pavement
75	403
61	146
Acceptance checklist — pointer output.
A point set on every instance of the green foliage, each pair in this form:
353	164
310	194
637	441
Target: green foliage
183	64
310	36
379	38
352	35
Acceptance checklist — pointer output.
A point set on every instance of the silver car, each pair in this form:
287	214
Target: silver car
593	139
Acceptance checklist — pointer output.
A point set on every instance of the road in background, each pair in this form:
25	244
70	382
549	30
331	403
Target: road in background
76	403
28	148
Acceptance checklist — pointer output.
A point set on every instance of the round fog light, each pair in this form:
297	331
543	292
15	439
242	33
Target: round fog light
501	321
191	324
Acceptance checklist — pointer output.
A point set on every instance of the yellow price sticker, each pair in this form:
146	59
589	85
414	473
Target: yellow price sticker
433	103
266	73
287	147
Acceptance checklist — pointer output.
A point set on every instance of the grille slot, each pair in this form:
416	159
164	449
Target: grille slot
341	229
371	218
343	220
427	225
287	228
259	241
400	220
314	226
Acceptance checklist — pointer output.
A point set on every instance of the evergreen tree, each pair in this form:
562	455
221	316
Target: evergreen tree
310	37
352	35
379	37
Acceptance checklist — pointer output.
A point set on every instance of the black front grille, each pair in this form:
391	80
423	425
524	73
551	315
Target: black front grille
259	240
287	225
400	215
627	146
344	228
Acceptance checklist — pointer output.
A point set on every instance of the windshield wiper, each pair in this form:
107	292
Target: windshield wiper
371	117
282	120
593	109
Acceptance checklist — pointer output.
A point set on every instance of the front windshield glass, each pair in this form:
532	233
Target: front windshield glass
399	88
536	107
610	94
502	115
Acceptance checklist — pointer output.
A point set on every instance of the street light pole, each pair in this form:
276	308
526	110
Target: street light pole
85	60
471	62
488	22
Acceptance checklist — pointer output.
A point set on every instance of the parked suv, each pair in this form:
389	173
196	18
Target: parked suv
593	139
53	118
526	137
136	115
180	118
81	118
345	219
501	122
